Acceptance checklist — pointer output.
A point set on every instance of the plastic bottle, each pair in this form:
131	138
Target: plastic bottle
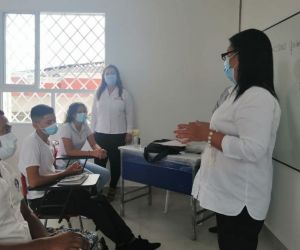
136	141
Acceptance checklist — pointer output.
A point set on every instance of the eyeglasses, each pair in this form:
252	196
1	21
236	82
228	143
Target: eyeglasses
223	55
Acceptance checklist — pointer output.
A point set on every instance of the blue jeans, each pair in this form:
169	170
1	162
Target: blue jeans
96	169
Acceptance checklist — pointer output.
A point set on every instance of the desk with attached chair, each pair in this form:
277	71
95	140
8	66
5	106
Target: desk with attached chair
88	184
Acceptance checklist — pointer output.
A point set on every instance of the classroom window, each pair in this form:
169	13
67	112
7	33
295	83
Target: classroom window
51	58
19	49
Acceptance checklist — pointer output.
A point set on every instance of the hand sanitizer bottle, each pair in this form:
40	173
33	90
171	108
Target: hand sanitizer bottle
136	141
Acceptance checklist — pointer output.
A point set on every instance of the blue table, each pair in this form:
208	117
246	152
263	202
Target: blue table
175	173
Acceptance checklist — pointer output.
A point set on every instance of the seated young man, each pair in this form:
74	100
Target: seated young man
20	229
36	164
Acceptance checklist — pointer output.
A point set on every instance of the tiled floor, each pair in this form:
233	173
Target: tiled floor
173	229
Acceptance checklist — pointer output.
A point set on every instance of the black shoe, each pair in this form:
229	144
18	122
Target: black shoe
111	194
140	244
213	230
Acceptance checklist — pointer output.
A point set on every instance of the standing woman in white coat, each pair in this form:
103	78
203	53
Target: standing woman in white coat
235	177
112	121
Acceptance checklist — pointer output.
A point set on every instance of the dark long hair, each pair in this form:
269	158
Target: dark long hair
72	111
255	61
103	85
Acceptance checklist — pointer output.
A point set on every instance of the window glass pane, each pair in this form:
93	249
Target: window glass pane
63	101
19	48
72	50
72	55
17	105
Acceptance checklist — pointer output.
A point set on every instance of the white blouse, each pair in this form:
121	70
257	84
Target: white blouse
78	138
241	175
112	114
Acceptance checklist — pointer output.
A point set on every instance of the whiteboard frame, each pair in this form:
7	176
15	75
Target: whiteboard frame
266	29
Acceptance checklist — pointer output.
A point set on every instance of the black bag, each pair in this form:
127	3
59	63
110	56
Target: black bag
161	150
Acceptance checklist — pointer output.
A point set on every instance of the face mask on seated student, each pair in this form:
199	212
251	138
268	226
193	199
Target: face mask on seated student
8	145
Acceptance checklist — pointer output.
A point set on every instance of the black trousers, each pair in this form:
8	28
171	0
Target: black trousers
111	142
107	220
238	232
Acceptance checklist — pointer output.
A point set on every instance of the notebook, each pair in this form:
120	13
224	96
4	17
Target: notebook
73	180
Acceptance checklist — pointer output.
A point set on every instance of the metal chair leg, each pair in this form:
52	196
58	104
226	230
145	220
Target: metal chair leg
69	223
194	218
167	201
81	224
149	195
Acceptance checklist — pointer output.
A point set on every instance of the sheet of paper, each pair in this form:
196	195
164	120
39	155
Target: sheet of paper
73	178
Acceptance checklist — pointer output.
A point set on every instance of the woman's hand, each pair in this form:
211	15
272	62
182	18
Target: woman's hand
193	131
128	138
73	169
99	153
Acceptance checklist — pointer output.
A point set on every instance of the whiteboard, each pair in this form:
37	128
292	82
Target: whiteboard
285	39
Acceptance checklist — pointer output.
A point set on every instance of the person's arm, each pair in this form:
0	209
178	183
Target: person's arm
36	180
64	241
94	113
199	131
91	139
71	150
37	230
66	137
97	150
92	142
254	120
31	245
216	139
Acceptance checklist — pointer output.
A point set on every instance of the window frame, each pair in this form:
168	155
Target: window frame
35	88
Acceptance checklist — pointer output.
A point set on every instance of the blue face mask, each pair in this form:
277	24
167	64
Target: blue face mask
229	71
50	130
8	145
81	117
110	80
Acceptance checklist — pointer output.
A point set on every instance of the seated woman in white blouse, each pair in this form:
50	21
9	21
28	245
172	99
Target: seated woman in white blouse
235	177
73	135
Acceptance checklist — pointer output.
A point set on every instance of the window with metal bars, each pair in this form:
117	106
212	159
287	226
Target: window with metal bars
50	58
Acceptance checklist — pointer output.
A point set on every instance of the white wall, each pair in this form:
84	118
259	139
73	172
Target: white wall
168	52
261	14
284	214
